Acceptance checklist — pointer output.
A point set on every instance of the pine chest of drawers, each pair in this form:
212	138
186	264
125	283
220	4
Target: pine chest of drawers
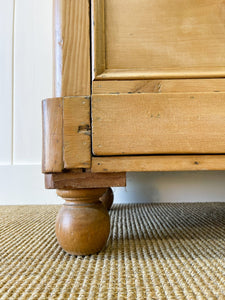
139	86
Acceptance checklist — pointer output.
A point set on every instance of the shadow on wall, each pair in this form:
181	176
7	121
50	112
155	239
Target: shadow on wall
204	186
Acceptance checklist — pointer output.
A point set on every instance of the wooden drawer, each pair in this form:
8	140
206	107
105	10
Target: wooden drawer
159	39
134	124
178	43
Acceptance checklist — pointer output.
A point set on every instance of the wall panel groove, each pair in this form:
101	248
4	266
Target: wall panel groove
6	78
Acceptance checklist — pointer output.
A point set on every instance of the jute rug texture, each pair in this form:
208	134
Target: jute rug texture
155	251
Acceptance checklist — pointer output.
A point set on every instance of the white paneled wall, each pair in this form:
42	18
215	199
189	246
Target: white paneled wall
25	79
32	75
6	79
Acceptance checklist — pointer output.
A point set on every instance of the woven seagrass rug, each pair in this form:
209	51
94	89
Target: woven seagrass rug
156	251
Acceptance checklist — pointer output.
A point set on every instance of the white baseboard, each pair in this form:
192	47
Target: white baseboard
24	185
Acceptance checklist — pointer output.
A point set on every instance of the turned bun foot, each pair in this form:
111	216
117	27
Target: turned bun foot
82	224
107	199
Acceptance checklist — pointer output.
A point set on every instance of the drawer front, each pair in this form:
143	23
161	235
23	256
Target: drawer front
182	123
159	39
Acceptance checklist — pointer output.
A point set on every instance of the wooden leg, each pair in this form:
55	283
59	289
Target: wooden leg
82	224
107	199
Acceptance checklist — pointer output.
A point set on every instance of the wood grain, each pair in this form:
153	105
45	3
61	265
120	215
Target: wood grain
76	132
99	36
160	39
52	136
71	48
107	199
158	163
158	86
83	224
72	180
127	74
181	123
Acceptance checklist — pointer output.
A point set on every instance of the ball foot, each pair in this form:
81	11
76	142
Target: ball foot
107	199
82	224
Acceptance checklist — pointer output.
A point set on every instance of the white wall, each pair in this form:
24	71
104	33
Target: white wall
25	79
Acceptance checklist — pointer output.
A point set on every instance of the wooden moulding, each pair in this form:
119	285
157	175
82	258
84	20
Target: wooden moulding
159	163
84	180
52	143
71	48
99	36
166	123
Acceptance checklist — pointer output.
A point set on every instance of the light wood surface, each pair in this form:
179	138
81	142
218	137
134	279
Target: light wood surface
71	180
158	86
158	163
107	199
82	225
161	39
119	74
98	23
76	132
182	123
71	48
93	142
52	136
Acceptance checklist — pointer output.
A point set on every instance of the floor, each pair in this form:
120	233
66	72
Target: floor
155	251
